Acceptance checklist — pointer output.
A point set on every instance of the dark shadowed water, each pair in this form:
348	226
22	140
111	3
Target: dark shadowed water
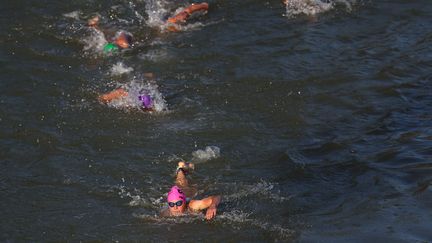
313	127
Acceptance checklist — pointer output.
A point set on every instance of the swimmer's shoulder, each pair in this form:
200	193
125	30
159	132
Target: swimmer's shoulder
195	205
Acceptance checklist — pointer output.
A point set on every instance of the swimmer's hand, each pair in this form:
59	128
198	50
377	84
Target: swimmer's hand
185	166
208	203
211	212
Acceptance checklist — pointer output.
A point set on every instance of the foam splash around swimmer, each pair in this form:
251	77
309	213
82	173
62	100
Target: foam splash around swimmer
156	11
137	89
159	10
95	42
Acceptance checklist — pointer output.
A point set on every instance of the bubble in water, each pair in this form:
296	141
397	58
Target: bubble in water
210	152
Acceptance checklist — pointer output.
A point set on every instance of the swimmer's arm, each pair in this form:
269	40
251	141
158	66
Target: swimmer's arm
197	7
209	203
180	17
113	95
186	13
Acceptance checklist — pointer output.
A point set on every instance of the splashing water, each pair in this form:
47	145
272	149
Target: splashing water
120	68
73	15
314	7
95	42
307	7
156	11
136	88
210	152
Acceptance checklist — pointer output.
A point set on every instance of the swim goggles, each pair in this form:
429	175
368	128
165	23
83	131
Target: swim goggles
178	203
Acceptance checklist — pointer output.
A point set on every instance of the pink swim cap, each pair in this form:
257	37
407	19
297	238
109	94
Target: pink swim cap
176	194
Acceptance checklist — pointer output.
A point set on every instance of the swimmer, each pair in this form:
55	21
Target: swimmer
122	40
178	197
143	98
186	13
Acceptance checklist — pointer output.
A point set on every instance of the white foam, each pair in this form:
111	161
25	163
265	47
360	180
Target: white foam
95	42
156	11
306	7
137	197
73	15
210	152
314	7
120	68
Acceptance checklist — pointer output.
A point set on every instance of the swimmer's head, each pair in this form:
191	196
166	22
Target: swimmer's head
123	40
146	100
176	200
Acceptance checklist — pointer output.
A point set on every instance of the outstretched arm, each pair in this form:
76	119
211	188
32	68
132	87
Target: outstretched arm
187	12
113	95
209	203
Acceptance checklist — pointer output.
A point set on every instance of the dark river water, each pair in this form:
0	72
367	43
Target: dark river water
313	121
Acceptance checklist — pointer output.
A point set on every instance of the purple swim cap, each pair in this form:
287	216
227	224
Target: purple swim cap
176	194
147	101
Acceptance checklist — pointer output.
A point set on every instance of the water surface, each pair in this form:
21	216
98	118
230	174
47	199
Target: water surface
322	121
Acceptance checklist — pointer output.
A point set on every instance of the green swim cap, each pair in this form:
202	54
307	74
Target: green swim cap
110	48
